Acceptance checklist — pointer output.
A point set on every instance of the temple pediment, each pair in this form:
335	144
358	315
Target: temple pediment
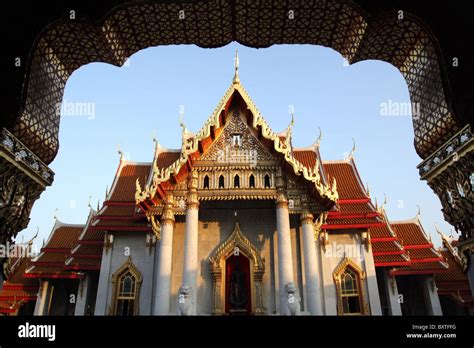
237	134
237	144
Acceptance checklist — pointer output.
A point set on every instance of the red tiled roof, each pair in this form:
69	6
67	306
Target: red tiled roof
306	157
423	258
454	282
119	210
348	184
123	189
17	289
64	236
54	254
165	159
409	233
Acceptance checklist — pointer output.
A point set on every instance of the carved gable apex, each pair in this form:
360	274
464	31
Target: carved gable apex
237	144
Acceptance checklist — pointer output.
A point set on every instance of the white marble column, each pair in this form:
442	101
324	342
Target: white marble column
285	259
82	296
310	264
190	263
43	298
430	293
165	259
104	290
391	291
373	296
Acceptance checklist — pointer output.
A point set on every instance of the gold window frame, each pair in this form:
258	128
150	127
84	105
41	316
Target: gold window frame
127	266
338	272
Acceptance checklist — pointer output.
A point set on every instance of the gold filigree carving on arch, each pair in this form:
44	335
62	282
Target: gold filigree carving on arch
67	45
257	268
337	274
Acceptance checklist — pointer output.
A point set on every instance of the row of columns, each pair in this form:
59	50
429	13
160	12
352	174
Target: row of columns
190	263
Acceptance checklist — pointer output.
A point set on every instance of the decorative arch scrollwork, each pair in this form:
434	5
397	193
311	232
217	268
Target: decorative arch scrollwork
237	241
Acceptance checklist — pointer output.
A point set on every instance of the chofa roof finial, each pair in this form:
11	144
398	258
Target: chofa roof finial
153	137
351	154
320	137
55	216
418	213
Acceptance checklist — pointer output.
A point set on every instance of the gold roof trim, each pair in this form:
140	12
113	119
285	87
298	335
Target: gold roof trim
190	145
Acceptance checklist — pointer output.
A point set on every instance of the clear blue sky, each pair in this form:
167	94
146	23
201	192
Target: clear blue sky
132	101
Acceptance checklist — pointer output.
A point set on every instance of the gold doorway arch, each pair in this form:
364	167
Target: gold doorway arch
237	241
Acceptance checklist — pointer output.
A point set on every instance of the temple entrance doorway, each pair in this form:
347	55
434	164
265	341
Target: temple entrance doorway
237	285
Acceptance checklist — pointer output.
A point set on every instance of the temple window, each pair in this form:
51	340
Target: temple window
350	292
236	181
221	181
267	183
206	182
126	282
349	281
236	140
251	180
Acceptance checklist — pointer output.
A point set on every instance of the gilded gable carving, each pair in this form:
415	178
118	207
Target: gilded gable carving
237	144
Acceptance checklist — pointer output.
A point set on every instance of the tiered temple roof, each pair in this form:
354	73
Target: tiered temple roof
17	290
354	207
87	252
51	262
453	283
424	258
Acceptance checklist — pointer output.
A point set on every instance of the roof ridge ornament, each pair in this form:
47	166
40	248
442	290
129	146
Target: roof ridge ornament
120	152
418	213
443	236
289	129
350	156
55	216
185	132
447	243
236	79
153	138
384	203
317	143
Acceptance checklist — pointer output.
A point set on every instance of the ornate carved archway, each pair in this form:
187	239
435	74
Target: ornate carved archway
338	272
237	242
125	27
130	267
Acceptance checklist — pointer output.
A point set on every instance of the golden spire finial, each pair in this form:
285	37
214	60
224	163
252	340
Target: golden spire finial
236	67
